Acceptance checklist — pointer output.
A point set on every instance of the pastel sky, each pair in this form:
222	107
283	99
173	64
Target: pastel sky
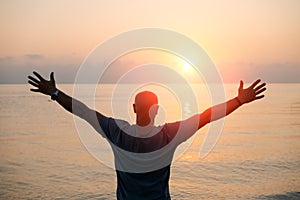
245	39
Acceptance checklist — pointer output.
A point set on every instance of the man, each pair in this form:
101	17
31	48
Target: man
143	152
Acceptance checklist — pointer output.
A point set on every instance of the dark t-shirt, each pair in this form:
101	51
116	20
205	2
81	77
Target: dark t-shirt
142	163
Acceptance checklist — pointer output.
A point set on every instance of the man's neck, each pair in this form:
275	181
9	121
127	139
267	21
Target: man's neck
144	121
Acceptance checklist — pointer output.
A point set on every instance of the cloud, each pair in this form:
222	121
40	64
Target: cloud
276	72
34	56
6	58
16	69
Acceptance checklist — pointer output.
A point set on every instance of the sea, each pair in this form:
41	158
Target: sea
257	155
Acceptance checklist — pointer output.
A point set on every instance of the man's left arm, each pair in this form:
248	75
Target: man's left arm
74	106
247	95
190	126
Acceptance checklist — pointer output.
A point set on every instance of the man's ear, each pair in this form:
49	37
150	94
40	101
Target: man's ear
134	110
154	109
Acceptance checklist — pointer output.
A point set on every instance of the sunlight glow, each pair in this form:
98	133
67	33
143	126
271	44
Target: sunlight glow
187	67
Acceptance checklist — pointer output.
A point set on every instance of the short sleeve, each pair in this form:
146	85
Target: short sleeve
180	131
112	128
104	125
170	130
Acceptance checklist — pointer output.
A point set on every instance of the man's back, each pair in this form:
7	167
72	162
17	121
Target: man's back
149	185
152	184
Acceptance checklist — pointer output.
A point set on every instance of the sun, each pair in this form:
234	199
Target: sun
187	67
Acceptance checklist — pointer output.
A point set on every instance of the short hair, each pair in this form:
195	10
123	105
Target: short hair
146	98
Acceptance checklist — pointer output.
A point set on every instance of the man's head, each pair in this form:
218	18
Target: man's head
145	106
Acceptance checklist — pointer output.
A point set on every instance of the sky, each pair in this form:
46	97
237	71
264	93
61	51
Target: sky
245	39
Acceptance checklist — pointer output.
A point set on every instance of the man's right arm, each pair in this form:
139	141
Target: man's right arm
70	104
79	109
247	95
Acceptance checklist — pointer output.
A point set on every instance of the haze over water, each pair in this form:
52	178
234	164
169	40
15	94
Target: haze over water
256	157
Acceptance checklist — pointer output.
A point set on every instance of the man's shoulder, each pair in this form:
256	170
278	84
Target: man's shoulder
115	121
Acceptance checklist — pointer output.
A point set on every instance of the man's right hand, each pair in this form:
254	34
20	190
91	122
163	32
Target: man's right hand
42	85
251	93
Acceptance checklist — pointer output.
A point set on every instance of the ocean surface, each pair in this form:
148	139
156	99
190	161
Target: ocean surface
256	157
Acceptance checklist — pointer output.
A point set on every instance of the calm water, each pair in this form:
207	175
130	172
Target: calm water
256	157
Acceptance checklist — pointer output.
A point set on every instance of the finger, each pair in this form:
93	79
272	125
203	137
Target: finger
33	83
260	86
34	90
260	91
52	76
39	76
255	83
33	79
259	97
241	85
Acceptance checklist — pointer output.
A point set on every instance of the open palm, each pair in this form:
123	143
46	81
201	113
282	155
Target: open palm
253	92
42	85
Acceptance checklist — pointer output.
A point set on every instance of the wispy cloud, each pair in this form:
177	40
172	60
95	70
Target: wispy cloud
6	58
34	56
16	69
278	72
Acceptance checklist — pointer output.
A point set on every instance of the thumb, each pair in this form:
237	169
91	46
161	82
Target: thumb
52	77
241	85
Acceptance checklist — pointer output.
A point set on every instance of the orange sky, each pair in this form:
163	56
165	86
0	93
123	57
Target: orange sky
244	38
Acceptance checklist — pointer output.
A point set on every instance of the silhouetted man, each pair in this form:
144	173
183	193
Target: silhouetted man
137	177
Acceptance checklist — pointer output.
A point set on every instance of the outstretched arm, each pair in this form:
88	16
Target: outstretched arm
70	104
252	93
